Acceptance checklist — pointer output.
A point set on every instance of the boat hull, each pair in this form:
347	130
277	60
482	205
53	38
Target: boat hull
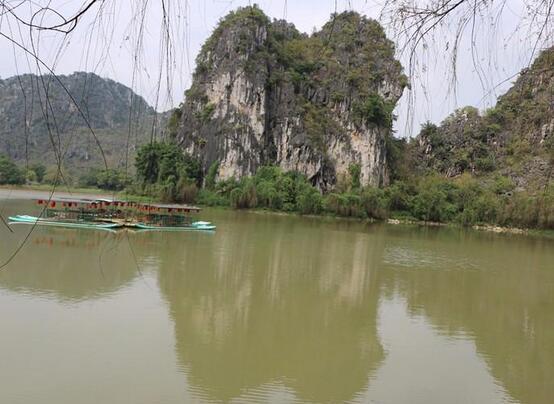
192	227
33	220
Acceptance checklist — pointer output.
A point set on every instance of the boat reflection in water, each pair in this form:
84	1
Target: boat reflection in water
71	264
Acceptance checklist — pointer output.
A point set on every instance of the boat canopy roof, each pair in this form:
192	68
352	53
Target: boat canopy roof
100	203
171	206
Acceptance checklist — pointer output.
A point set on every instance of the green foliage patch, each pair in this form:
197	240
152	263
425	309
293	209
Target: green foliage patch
163	170
10	173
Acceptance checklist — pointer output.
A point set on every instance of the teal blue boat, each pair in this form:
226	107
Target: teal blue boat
206	226
26	219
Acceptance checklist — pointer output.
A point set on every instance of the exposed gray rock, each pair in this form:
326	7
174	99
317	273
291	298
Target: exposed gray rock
263	93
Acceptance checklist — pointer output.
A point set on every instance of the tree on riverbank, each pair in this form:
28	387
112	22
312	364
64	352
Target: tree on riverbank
465	199
163	171
9	172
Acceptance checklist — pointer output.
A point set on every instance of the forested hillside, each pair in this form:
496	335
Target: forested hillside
41	123
514	139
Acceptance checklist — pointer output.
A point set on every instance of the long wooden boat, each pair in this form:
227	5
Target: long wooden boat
115	214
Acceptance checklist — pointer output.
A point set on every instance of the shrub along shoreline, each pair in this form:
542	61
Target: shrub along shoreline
433	200
164	173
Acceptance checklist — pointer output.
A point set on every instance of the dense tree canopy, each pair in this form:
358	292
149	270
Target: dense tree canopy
10	173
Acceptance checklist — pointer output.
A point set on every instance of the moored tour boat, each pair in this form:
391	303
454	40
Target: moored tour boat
114	214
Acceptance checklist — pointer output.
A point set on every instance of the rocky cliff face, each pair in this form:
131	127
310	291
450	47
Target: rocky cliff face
514	139
263	93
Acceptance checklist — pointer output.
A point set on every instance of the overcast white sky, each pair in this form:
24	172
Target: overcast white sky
107	46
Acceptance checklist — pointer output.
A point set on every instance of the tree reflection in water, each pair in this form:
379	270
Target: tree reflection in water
496	290
249	313
299	304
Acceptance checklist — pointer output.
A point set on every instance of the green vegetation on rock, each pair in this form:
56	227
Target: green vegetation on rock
514	139
283	97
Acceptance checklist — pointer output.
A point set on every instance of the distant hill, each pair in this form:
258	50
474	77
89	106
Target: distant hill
38	119
514	139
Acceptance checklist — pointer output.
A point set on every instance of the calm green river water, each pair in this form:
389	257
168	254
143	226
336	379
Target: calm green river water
276	309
